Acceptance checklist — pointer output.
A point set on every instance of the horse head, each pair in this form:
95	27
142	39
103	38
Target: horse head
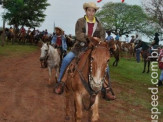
44	51
98	64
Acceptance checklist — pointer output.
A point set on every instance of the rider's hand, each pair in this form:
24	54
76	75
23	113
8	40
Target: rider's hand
96	38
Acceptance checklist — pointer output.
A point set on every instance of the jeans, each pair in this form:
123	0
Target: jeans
65	62
138	55
161	75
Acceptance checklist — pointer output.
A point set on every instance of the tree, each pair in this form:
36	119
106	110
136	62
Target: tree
155	9
124	18
28	13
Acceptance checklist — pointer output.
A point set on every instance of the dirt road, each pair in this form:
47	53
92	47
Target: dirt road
25	96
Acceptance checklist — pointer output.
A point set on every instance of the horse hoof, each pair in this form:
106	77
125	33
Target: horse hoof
143	71
67	118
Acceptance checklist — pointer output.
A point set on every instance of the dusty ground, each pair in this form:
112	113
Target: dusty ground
25	96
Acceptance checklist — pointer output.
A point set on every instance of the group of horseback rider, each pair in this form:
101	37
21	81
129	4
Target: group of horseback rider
24	35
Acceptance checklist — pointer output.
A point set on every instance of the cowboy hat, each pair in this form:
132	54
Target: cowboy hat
59	29
156	34
90	5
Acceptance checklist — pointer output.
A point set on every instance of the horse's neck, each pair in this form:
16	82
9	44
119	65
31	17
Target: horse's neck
83	64
52	52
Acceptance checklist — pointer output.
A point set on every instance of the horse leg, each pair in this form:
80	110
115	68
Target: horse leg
114	63
50	74
57	73
95	114
145	62
148	66
78	107
117	60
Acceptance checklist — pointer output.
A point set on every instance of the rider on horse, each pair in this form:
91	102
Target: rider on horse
59	41
85	27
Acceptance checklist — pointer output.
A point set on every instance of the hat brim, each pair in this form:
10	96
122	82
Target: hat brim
86	5
59	28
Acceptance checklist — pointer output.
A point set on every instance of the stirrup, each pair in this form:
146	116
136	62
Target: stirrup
108	96
109	89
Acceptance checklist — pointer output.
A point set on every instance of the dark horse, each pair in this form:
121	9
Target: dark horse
86	78
115	50
70	41
146	54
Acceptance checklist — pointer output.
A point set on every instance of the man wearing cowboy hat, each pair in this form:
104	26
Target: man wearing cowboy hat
59	40
85	26
132	39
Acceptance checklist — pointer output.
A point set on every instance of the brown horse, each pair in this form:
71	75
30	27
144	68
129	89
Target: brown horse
86	78
22	38
128	48
70	41
115	50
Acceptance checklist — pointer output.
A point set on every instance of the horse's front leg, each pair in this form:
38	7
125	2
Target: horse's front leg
57	73
95	114
145	62
148	66
78	107
50	74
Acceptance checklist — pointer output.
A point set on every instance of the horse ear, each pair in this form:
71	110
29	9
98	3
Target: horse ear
48	43
42	42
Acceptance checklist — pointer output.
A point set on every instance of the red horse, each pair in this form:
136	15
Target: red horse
86	78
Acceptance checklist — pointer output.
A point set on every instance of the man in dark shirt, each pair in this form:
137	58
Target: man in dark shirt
155	43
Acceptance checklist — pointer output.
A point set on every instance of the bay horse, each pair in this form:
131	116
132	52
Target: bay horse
52	57
22	37
128	48
86	78
146	54
115	50
70	41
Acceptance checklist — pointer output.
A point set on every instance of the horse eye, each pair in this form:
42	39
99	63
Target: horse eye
46	50
92	58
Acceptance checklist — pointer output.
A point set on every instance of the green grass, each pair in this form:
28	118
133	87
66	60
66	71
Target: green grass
134	84
16	50
128	70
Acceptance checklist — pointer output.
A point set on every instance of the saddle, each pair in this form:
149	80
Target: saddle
74	65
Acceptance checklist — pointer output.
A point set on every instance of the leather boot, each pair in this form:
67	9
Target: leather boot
59	88
109	95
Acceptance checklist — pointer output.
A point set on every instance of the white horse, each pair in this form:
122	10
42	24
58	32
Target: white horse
52	56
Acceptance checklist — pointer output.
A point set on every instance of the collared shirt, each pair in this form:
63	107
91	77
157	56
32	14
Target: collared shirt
90	25
109	38
87	20
59	41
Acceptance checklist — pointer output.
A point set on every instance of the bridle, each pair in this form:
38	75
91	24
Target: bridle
90	83
46	55
91	80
